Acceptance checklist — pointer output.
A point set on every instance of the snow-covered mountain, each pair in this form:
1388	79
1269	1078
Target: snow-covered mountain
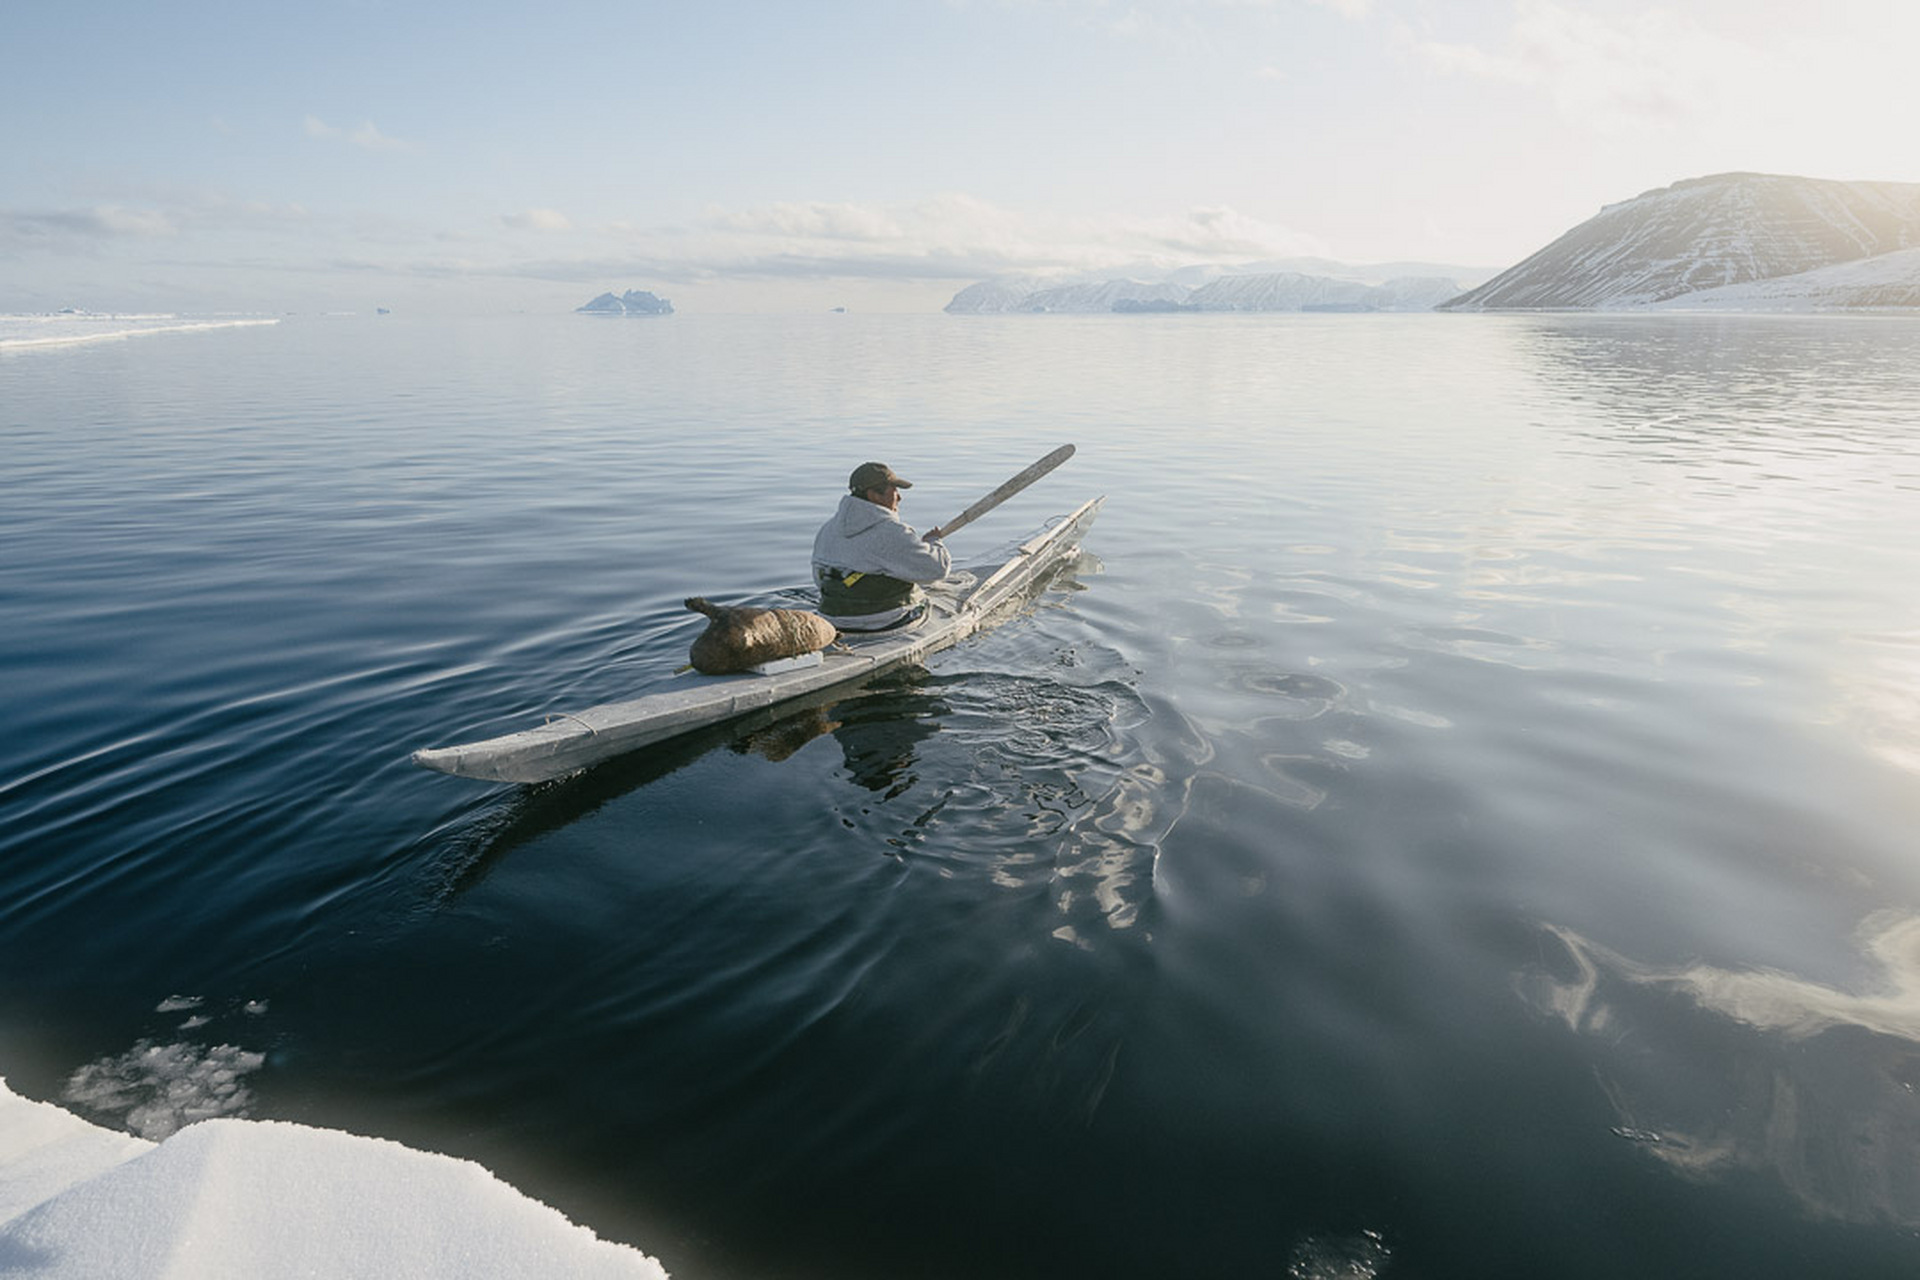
991	297
1262	291
1364	273
1293	291
634	302
1282	291
1718	233
1099	297
1886	280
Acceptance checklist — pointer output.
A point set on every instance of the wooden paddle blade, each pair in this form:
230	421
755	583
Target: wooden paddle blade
1007	490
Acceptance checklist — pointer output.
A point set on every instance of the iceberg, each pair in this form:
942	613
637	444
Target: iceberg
232	1199
634	302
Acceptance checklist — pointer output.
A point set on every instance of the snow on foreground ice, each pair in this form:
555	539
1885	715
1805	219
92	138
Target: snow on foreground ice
242	1199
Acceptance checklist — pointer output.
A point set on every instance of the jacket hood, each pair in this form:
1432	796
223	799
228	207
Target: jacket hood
857	515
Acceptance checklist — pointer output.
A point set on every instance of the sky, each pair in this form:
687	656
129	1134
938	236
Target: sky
795	155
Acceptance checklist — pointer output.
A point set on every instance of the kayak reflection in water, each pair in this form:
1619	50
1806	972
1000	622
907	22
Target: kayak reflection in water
879	729
868	563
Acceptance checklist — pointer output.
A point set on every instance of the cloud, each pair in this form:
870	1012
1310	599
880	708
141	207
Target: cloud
200	224
951	237
60	229
813	221
373	140
143	223
538	220
1205	28
367	136
1632	72
1220	234
959	235
1347	8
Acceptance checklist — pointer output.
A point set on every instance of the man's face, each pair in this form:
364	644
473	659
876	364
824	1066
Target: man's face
887	496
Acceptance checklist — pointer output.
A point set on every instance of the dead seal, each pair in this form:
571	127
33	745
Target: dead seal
740	637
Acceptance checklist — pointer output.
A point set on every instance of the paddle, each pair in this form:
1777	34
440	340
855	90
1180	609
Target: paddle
1004	492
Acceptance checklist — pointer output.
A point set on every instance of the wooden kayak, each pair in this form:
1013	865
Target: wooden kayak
568	742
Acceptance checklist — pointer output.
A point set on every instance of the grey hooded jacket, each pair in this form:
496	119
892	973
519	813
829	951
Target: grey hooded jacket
868	543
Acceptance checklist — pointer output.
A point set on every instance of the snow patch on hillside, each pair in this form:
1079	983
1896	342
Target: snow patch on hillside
1886	280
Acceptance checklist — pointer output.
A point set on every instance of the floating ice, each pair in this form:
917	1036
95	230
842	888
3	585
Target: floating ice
1358	1257
239	1199
160	1088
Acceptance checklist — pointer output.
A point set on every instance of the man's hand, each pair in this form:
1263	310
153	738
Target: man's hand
931	535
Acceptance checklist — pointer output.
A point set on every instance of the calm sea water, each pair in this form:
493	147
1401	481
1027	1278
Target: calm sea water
1456	820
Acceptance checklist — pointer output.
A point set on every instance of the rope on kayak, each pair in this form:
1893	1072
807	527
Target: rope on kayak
568	715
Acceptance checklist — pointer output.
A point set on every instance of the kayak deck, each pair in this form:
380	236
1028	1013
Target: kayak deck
570	741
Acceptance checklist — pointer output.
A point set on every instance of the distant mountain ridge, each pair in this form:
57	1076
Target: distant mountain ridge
1725	242
1255	291
1714	239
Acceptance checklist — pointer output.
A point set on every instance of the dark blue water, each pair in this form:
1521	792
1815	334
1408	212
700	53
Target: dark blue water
1456	819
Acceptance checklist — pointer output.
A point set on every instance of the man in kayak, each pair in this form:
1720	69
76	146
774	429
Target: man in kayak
867	563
